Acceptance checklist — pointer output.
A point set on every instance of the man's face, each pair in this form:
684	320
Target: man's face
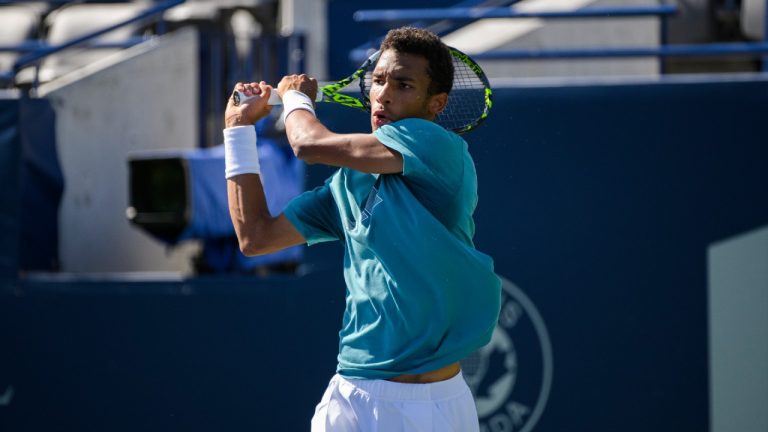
399	89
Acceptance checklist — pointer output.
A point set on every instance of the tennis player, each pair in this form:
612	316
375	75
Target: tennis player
419	296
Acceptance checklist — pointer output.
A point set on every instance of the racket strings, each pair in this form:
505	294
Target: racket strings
467	104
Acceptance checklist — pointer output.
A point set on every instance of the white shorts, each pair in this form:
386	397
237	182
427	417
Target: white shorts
385	406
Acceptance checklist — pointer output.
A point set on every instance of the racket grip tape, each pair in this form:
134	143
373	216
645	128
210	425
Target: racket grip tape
239	97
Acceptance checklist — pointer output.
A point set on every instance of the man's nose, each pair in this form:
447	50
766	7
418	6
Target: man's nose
383	95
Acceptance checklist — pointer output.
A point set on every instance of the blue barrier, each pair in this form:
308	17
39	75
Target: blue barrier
123	354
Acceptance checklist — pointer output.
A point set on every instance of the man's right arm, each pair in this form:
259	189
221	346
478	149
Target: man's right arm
257	231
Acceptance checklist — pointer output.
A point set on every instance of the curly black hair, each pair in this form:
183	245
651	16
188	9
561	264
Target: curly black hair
427	44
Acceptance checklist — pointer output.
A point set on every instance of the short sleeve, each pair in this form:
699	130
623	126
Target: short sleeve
432	156
315	215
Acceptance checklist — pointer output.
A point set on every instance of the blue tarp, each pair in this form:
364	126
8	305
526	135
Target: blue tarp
209	220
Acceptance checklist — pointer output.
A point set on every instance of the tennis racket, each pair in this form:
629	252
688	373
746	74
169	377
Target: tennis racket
469	101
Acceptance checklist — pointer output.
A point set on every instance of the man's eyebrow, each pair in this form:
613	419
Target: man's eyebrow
395	76
399	77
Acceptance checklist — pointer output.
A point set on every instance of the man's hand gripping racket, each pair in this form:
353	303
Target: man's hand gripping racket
300	83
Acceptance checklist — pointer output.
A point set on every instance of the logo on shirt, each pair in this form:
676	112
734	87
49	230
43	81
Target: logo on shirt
511	376
371	202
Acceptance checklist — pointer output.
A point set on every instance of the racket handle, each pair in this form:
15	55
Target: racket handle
274	98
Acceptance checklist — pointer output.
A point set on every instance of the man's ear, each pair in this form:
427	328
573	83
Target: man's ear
437	103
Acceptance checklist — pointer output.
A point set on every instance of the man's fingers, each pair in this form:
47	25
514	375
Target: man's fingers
265	89
248	90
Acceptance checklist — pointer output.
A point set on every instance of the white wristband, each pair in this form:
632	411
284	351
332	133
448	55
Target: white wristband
295	100
240	153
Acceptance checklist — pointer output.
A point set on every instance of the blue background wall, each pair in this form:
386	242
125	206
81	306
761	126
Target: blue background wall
598	201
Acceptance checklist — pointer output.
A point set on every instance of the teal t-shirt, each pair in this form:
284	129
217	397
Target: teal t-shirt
419	296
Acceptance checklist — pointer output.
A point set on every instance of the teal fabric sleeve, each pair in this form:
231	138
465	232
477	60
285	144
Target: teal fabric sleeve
432	156
315	215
